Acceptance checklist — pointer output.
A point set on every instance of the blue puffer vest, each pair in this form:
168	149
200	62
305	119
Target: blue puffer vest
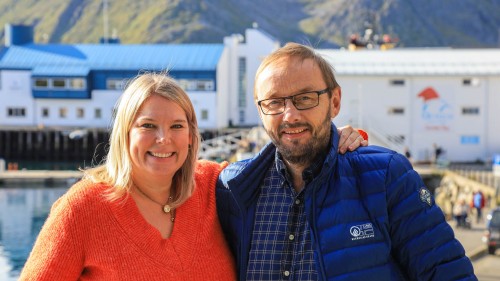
371	217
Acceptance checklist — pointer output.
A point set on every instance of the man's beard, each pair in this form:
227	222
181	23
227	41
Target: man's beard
303	154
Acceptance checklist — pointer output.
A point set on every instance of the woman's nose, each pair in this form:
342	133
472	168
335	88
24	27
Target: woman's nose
162	137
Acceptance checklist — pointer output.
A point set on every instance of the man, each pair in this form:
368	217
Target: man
301	211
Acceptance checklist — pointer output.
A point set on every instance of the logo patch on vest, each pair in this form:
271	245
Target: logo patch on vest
425	196
362	231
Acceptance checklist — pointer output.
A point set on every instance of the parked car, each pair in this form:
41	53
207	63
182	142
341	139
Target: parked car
492	235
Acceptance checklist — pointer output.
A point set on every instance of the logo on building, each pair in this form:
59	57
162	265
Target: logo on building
436	112
362	231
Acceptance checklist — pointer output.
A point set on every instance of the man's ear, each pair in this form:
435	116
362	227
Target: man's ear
259	111
336	97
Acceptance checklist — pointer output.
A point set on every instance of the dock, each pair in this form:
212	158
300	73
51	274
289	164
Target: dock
44	176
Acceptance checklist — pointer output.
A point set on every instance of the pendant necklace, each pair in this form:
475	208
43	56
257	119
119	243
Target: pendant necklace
166	208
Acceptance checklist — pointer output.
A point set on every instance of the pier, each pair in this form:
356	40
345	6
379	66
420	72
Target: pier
43	176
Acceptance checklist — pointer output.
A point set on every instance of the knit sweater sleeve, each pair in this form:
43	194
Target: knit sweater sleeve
56	255
422	241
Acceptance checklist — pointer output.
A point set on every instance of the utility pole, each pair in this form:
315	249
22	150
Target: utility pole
105	20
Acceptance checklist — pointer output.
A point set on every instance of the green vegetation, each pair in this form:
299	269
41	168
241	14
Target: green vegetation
324	23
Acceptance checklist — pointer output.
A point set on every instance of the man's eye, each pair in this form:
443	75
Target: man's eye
274	103
303	98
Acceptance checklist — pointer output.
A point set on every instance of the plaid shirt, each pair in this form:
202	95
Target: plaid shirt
281	242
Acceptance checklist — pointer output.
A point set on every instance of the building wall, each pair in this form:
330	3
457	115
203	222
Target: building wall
369	102
492	115
253	48
15	92
222	106
205	102
104	100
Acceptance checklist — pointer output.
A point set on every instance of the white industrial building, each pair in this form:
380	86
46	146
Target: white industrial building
421	97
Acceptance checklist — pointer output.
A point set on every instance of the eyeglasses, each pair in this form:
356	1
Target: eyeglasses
301	101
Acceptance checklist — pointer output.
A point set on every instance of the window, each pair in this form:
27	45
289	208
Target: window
397	82
242	82
16	111
80	112
45	112
396	111
97	113
470	110
470	82
396	139
63	112
242	117
204	85
115	84
469	139
77	83
59	83
196	85
204	114
41	83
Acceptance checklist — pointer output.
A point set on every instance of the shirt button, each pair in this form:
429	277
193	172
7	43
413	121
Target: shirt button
297	202
291	237
286	273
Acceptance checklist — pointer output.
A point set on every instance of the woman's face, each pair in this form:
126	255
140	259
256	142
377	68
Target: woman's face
158	140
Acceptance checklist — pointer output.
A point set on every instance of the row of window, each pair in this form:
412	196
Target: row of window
113	84
59	83
63	112
80	112
466	139
465	110
474	82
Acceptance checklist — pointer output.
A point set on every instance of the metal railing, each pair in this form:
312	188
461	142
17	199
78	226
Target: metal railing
222	147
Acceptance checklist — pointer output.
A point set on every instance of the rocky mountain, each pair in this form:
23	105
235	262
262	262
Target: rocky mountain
321	23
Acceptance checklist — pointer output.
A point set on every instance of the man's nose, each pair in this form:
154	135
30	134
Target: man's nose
290	113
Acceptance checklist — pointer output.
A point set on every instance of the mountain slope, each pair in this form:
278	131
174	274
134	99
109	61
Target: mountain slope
321	23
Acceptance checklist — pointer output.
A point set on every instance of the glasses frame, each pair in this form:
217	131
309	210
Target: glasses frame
292	98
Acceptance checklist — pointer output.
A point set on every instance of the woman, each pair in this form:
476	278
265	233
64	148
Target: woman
148	212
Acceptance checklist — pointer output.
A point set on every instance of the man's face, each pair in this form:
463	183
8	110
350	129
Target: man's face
299	135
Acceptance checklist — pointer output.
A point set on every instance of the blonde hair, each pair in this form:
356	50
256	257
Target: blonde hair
117	168
302	52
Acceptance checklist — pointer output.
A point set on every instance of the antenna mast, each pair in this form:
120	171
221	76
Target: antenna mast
105	20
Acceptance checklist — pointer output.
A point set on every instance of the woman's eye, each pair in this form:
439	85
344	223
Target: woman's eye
177	126
147	125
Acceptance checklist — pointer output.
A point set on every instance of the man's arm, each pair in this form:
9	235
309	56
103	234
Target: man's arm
422	241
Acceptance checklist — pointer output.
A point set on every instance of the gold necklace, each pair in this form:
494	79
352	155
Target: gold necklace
165	207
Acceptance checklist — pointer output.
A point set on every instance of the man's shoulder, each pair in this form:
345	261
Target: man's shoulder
234	169
374	157
251	166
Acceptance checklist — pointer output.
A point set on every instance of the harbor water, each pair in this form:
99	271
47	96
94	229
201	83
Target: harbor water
23	210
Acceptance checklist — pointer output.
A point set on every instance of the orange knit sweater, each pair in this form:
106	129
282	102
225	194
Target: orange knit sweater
87	237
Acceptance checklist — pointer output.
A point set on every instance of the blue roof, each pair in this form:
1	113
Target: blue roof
74	60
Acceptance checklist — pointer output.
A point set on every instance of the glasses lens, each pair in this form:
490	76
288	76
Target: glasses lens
306	100
272	106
